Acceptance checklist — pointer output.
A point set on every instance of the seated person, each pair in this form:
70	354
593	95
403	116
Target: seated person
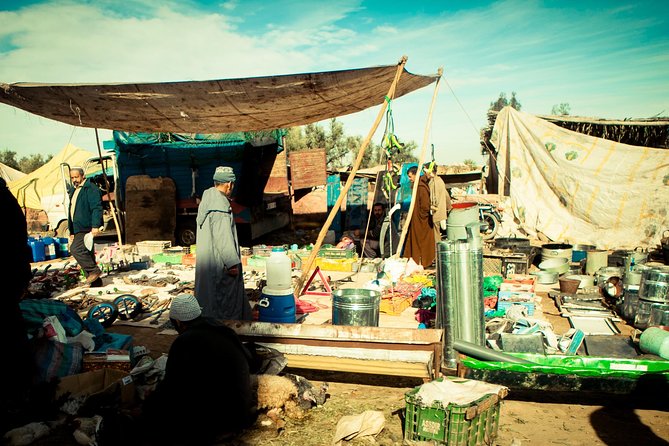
372	248
207	390
346	242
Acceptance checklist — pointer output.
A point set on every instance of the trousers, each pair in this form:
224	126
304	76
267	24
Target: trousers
84	257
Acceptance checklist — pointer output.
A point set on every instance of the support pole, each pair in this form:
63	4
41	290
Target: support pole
414	191
321	236
111	202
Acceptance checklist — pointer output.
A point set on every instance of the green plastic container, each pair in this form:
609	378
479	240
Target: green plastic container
454	425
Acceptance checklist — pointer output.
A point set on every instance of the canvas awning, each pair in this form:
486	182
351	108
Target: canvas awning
225	105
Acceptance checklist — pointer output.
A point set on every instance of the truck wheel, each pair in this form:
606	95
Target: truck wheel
62	230
186	233
492	226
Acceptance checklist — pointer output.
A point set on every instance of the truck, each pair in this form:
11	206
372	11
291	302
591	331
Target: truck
151	183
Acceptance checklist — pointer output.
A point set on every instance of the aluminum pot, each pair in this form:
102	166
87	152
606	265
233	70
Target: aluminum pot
546	277
579	252
551	250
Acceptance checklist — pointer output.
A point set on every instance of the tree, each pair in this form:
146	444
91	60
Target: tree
562	109
33	162
8	158
471	164
502	102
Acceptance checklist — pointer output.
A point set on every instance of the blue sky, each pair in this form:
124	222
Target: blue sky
606	59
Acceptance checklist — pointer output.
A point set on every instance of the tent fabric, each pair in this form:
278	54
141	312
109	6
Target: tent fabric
47	180
581	189
211	106
10	174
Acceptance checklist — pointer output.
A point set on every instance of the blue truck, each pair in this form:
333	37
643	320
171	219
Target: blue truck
189	161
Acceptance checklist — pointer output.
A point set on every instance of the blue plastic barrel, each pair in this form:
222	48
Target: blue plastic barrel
37	247
279	306
62	245
49	248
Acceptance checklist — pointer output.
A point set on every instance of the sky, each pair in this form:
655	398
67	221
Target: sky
607	59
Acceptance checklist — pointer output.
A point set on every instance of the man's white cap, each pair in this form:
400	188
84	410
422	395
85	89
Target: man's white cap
185	308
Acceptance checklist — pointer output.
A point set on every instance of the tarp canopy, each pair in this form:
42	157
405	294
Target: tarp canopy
578	188
213	106
47	181
10	174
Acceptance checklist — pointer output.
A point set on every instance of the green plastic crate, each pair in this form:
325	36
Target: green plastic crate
454	425
336	253
172	259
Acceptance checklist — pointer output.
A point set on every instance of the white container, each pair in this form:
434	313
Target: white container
279	270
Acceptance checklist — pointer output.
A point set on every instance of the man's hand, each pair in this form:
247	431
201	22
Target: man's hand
71	238
94	231
233	271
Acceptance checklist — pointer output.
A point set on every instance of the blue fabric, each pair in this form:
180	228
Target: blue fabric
35	310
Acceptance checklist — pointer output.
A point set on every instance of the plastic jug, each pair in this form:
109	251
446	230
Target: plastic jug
278	269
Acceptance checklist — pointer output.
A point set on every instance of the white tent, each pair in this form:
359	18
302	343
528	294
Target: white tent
47	180
578	188
9	174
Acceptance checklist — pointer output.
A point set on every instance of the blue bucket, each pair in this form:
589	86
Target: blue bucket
277	306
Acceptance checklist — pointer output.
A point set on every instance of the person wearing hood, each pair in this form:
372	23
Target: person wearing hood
219	282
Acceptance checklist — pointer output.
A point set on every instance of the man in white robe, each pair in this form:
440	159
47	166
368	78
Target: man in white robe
219	281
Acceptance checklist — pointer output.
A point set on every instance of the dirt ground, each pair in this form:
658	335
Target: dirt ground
526	418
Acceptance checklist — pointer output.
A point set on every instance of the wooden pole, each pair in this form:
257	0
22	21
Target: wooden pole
314	252
111	202
414	191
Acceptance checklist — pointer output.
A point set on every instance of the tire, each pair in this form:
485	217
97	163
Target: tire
186	233
62	230
105	313
127	306
492	224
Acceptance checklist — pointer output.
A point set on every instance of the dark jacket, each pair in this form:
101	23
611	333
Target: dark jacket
88	209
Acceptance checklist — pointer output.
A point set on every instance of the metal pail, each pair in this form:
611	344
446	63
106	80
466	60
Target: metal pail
654	285
355	306
552	250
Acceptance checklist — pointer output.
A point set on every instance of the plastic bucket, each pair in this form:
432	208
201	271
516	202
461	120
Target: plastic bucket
49	248
459	217
277	306
353	306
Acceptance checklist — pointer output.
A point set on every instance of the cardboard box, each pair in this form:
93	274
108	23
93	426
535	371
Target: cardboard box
112	359
96	382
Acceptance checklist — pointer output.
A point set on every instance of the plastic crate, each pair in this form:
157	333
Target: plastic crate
172	259
454	425
505	305
336	253
150	247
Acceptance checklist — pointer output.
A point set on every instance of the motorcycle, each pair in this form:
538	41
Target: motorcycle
491	218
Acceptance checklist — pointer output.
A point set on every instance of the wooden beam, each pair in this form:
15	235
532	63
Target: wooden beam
352	365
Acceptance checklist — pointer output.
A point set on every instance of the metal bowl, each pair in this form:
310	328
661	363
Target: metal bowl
558	265
546	277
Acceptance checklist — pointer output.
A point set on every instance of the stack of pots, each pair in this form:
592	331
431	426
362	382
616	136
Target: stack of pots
653	292
555	259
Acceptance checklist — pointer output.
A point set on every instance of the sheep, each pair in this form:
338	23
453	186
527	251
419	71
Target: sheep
291	393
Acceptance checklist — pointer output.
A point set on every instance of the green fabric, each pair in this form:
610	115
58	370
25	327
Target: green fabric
576	365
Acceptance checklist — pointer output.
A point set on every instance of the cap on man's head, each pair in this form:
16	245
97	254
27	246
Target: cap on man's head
185	308
224	174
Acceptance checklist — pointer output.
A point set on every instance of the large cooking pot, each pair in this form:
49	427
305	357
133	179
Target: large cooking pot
518	244
553	250
511	242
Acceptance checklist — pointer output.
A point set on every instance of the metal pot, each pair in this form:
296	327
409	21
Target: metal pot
551	250
511	242
546	277
580	251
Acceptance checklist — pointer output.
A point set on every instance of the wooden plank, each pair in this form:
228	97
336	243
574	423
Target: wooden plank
338	332
278	177
352	365
307	168
423	357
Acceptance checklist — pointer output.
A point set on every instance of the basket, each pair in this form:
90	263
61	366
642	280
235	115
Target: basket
454	425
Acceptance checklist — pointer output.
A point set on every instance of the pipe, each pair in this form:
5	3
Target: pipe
486	354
